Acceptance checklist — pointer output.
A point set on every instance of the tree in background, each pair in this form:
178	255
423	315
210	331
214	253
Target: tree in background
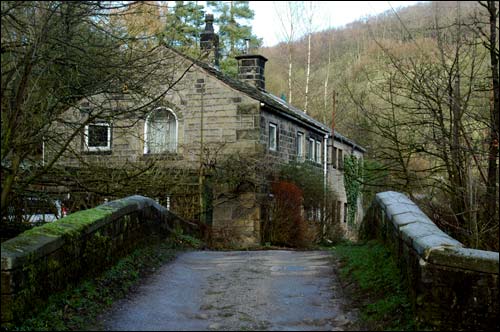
184	24
232	32
417	87
55	55
428	110
310	9
489	34
140	22
288	13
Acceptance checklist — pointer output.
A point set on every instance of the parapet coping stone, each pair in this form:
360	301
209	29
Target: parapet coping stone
412	231
32	246
430	242
465	258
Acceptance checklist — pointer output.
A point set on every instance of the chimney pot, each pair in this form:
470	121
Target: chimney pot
209	40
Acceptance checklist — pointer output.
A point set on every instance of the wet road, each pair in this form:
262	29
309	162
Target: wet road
237	290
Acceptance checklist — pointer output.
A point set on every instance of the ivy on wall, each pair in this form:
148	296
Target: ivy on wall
353	175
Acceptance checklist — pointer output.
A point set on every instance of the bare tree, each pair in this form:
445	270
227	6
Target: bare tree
61	56
490	39
287	13
309	10
428	113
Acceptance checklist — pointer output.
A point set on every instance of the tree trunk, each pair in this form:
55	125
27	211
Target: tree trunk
492	199
290	72
327	78
308	74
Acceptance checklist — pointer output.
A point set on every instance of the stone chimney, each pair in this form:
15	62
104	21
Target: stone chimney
251	69
209	41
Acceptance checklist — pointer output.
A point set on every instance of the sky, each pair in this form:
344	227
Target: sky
266	23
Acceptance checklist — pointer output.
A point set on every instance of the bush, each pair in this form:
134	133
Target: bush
286	226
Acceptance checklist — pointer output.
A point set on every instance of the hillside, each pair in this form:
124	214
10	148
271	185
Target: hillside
417	88
340	56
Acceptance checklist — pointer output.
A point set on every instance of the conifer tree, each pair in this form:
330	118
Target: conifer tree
183	26
231	18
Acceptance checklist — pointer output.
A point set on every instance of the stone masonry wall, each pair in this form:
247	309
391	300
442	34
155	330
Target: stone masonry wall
336	183
231	124
451	287
287	138
48	258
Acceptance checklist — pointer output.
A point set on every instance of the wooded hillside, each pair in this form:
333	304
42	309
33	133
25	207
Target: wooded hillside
418	87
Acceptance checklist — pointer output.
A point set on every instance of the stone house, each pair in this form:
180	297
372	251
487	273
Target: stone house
237	116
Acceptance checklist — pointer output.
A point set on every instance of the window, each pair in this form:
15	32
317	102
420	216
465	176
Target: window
273	137
338	210
318	152
334	158
300	144
160	131
310	149
340	159
98	137
345	212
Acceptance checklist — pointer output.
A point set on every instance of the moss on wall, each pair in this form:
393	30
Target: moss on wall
49	258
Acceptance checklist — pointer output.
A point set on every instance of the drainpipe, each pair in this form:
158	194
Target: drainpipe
325	177
325	162
43	151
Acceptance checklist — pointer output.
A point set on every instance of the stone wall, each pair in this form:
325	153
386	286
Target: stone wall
230	123
336	183
287	138
451	287
48	258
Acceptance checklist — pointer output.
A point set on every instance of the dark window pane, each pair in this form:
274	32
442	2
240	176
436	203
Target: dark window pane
98	136
340	159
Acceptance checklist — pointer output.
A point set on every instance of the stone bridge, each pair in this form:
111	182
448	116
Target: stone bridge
80	245
450	286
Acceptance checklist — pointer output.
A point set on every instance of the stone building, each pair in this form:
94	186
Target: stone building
205	109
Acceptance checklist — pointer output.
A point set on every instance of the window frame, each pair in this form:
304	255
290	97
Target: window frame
275	127
334	157
97	148
340	158
339	212
317	147
311	149
146	150
300	144
345	213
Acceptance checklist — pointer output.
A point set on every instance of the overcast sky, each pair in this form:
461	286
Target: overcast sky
266	23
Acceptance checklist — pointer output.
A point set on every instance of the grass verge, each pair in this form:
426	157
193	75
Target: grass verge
371	277
78	308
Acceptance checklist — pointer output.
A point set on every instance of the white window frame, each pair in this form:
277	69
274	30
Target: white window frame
317	147
275	147
98	148
146	127
312	149
300	144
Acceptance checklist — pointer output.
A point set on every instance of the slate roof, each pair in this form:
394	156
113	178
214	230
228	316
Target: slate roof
271	101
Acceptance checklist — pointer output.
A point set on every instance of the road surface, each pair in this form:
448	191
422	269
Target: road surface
236	290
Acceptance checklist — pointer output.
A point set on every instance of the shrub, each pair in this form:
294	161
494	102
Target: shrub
286	226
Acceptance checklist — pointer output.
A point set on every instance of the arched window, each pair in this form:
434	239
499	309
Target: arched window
160	131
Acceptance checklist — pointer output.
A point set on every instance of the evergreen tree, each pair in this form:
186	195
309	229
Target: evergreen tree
183	26
231	18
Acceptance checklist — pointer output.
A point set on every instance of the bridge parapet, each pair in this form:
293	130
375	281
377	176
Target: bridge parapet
451	287
47	259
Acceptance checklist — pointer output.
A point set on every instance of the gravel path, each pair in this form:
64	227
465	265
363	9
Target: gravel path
237	290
